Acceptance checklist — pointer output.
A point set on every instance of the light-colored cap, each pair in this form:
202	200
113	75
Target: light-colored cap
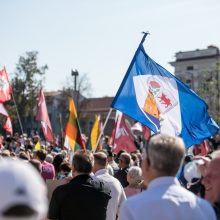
20	184
191	171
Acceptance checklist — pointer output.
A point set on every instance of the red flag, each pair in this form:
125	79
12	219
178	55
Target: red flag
202	149
146	132
5	88
7	126
43	117
122	137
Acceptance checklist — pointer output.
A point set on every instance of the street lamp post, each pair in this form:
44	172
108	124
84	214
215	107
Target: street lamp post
74	73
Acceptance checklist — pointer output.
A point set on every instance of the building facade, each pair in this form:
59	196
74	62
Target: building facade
200	70
87	109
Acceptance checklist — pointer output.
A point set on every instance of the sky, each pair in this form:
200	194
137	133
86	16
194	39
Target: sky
99	37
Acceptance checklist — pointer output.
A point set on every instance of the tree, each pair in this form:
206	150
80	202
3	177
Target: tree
209	90
83	89
26	84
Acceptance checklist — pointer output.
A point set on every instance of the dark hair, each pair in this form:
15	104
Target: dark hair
126	158
65	166
188	158
58	159
23	156
118	155
41	154
110	154
135	159
83	161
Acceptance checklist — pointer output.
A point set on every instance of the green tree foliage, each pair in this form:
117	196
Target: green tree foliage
26	84
209	89
83	89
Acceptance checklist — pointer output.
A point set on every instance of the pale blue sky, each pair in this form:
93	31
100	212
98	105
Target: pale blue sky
99	37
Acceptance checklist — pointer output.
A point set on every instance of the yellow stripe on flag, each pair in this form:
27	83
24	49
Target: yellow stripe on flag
37	146
95	132
71	127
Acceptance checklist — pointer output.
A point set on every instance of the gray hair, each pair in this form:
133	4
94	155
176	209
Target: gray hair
165	153
49	158
135	174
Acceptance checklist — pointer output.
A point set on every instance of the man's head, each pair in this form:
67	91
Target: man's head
124	160
162	157
41	155
82	162
100	161
211	180
23	191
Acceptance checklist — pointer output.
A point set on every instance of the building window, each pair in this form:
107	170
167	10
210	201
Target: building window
189	68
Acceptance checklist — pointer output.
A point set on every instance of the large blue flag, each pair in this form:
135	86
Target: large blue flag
153	96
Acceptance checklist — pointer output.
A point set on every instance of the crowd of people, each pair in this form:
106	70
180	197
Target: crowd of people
157	181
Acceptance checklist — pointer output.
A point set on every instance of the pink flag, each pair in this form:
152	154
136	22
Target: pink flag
43	117
146	132
122	138
202	149
7	126
5	88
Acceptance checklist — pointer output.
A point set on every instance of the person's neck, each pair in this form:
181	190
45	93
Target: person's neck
75	174
99	168
153	174
124	167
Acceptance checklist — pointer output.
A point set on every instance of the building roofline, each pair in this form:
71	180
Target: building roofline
196	58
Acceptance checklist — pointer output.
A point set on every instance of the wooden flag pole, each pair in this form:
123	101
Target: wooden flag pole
101	132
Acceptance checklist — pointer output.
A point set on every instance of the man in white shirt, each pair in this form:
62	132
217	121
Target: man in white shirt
164	198
117	191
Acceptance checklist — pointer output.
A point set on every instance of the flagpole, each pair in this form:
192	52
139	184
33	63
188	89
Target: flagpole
145	35
101	132
17	113
131	64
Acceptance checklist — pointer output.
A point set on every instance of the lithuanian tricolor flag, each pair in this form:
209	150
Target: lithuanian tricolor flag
94	134
73	138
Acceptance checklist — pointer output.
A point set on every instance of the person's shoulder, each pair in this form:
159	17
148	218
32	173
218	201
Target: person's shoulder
204	204
206	207
64	187
137	199
100	185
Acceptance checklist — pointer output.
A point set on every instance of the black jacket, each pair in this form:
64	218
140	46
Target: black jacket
121	175
83	198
